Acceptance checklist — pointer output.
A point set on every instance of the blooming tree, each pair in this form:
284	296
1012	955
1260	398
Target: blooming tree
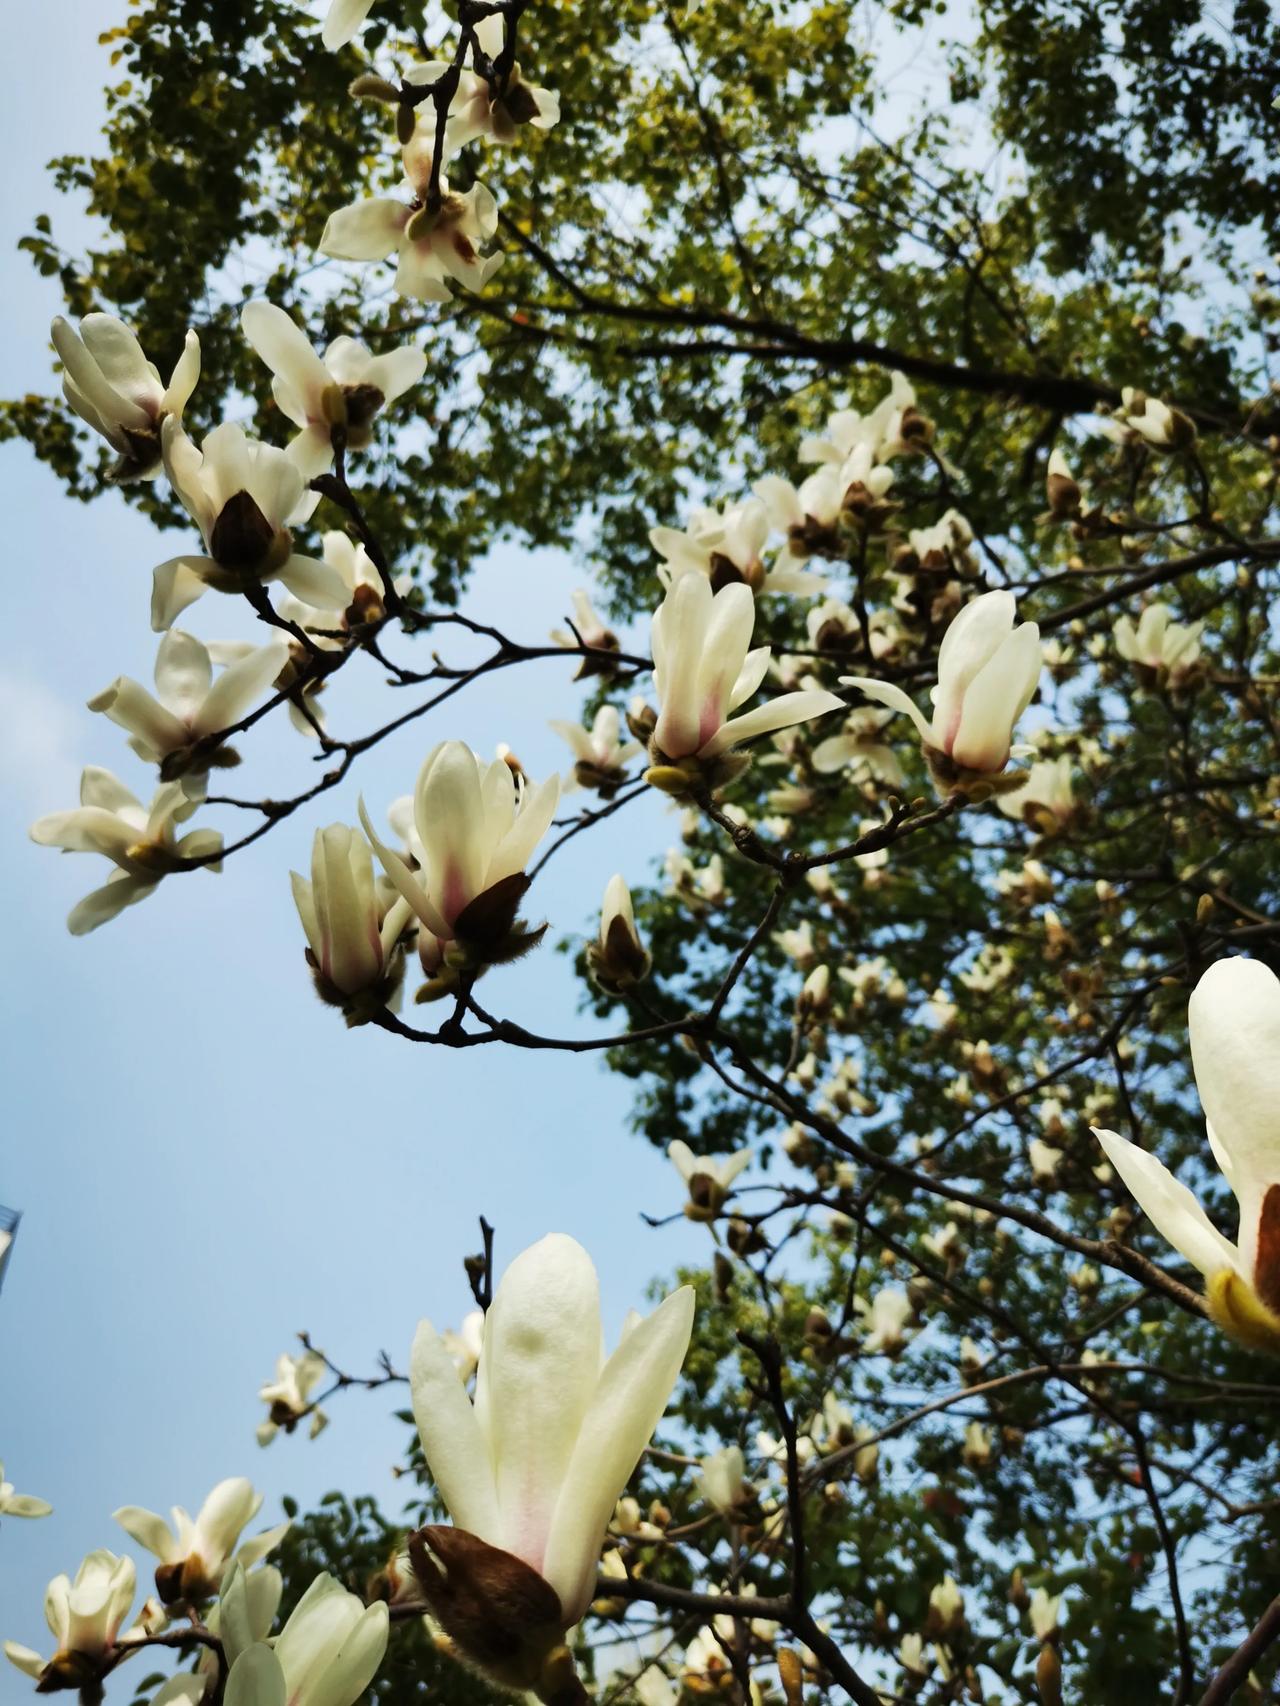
971	1398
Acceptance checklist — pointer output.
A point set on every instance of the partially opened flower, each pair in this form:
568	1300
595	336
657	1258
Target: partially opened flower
353	934
704	668
327	1654
618	958
1046	801
1161	648
531	1472
809	514
477	826
194	1555
289	1395
709	1177
988	670
600	754
1234	1023
112	386
859	748
142	842
247	1604
339	394
886	1320
498	112
723	1481
188	703
894	425
588	630
434	244
84	1617
242	496
20	1504
725	547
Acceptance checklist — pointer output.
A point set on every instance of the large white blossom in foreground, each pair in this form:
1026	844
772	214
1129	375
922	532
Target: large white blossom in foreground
188	703
433	246
477	110
478	824
345	389
327	1654
194	1555
988	670
533	1468
20	1504
1234	1024
351	932
704	668
84	1616
242	496
112	386
141	841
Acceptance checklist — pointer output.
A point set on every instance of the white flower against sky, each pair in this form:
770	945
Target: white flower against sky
13	1503
142	842
84	1617
344	389
194	1555
289	1395
478	111
351	932
112	386
710	1178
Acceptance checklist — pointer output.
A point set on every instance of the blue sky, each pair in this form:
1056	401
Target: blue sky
206	1159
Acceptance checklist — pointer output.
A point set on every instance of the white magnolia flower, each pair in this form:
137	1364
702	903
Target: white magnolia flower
600	753
242	496
1169	649
351	932
808	515
704	668
1148	419
653	1687
882	431
1046	800
723	1482
886	1319
1234	1024
859	749
361	601
327	1654
194	1555
477	826
725	547
20	1504
433	245
709	1177
342	20
987	674
912	1656
775	1450
188	703
84	1616
112	386
245	1611
478	110
935	546
1043	1612
946	1605
534	1467
591	630
977	1446
344	390
140	841
618	958
289	1395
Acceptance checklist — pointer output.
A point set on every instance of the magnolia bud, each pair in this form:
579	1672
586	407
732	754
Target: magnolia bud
1049	1676
1063	492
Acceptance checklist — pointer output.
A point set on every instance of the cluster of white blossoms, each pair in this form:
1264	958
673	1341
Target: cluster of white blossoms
530	1465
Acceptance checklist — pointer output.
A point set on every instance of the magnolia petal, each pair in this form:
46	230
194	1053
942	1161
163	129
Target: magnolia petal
175	585
151	1532
239	685
89	379
394	372
102	905
886	693
679	630
127	703
182	381
633	1391
365	231
405	880
452	822
26	1659
968	644
457	1453
344	19
183	673
780	713
355	1664
1170	1206
256	1679
287	351
539	1367
750	676
311	452
682	1158
255	1550
314	582
24	1504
